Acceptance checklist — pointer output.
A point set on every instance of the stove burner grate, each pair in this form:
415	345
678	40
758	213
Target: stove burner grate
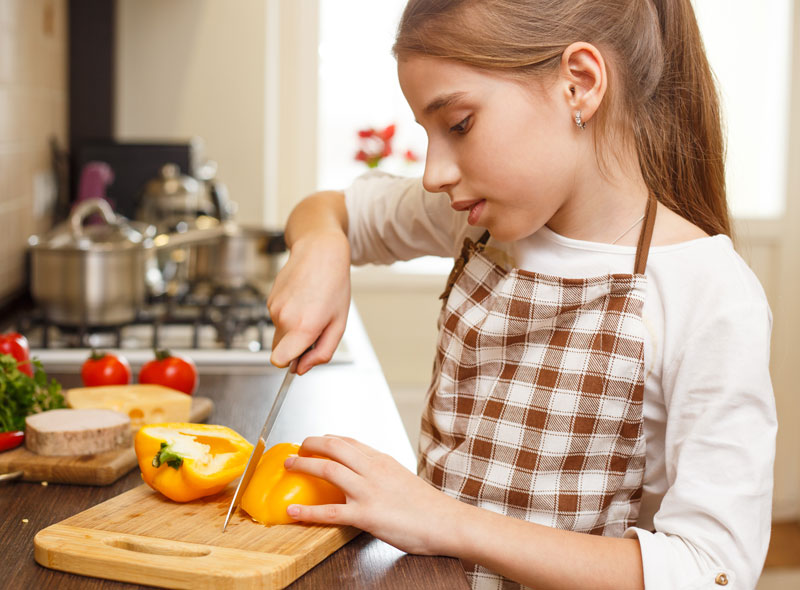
209	312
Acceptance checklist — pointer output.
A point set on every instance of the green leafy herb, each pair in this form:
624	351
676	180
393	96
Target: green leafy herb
21	395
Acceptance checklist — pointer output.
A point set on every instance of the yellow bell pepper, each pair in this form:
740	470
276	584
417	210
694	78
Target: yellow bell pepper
272	489
188	461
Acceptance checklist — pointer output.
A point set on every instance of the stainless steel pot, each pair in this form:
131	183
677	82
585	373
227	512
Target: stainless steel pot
242	255
173	198
98	275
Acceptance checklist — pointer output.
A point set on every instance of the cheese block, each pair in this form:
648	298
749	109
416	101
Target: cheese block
76	432
143	404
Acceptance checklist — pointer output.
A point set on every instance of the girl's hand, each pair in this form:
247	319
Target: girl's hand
383	497
310	300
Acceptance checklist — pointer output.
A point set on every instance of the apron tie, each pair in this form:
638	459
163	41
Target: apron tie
467	250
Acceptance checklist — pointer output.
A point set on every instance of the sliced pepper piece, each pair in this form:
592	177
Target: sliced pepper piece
272	488
187	461
11	439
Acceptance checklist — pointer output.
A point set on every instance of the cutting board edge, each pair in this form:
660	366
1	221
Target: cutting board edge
310	560
97	553
68	469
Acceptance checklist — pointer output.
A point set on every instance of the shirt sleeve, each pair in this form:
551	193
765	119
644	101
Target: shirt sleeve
392	218
712	528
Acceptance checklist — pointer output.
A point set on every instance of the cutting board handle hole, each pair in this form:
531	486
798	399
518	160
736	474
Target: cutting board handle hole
139	547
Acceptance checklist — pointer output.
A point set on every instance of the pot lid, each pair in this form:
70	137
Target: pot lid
110	232
172	198
171	183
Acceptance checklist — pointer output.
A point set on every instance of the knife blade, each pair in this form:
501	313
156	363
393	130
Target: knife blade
255	456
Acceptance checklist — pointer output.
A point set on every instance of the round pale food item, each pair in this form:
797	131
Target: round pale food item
77	432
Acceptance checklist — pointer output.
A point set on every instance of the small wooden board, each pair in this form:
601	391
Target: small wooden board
143	538
99	469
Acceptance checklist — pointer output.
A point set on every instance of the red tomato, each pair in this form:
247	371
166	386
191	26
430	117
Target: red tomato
16	345
169	370
103	368
11	439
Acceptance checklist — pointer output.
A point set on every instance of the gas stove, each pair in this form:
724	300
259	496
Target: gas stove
223	330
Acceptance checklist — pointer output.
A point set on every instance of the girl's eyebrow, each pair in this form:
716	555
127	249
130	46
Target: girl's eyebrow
443	101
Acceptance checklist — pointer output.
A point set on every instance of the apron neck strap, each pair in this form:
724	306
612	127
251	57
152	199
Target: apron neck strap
645	236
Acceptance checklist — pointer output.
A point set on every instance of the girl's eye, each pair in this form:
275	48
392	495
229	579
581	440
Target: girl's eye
463	126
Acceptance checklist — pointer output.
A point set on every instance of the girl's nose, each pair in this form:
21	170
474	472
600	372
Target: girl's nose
441	170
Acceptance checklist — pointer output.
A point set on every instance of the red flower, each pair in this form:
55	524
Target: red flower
374	145
387	133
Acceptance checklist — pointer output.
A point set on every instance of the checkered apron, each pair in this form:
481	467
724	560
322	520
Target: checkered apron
535	409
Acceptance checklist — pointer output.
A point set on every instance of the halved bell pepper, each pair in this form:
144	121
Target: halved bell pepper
187	461
272	489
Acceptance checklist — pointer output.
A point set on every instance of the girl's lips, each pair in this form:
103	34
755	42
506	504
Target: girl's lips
475	212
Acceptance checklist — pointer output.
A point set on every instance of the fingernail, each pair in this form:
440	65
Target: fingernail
289	462
293	510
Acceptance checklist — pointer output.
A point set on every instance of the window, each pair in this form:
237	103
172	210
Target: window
749	47
358	88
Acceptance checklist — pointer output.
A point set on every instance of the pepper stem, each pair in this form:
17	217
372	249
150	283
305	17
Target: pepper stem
168	456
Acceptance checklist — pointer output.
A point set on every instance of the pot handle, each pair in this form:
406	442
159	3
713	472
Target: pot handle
192	237
85	208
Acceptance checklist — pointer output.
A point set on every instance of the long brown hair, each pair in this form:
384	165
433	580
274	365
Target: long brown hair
661	92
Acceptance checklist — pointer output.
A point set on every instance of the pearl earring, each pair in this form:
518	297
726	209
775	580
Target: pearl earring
578	122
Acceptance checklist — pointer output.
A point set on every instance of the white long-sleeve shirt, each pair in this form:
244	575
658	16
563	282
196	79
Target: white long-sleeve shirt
709	411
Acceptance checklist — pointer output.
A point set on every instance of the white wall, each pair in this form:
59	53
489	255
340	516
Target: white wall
33	108
294	105
197	67
241	75
784	299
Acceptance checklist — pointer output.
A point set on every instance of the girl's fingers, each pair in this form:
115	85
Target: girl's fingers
291	345
324	348
364	448
324	514
337	449
332	471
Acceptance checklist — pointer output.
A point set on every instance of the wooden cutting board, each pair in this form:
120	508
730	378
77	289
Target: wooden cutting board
99	469
143	538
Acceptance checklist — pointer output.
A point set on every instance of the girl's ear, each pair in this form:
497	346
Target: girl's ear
583	73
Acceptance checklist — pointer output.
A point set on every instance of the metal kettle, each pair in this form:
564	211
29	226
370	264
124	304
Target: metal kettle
172	199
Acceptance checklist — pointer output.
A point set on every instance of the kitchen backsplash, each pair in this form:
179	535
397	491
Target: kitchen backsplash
33	108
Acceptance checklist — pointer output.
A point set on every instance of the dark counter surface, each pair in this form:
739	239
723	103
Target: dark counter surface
349	399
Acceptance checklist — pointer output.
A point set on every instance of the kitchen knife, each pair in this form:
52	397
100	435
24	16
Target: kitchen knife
262	439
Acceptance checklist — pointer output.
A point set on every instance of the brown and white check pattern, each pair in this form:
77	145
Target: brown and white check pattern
535	410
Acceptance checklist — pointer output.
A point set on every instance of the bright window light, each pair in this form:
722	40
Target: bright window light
358	89
749	46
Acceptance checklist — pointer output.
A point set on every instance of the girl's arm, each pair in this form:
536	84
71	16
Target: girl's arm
310	299
545	557
381	220
394	218
321	212
390	502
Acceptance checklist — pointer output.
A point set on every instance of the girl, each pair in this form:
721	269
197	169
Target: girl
601	414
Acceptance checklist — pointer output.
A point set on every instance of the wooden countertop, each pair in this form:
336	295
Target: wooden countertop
351	399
